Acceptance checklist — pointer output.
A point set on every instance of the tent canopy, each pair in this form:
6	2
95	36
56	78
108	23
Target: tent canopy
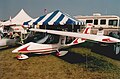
30	22
19	19
57	18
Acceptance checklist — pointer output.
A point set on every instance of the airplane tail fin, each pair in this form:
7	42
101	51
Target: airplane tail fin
87	30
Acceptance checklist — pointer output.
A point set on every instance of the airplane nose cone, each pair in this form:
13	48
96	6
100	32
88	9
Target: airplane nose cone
15	51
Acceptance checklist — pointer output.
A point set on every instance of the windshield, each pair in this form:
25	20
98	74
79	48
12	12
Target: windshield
42	38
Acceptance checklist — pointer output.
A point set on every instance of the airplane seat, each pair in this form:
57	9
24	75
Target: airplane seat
112	34
43	40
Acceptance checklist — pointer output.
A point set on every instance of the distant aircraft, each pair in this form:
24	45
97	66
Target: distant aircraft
8	40
57	40
5	38
7	43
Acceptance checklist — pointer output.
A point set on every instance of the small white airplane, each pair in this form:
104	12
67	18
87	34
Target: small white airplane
5	38
49	47
7	41
47	44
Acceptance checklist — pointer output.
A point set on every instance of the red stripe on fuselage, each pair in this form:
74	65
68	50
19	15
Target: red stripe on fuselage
25	50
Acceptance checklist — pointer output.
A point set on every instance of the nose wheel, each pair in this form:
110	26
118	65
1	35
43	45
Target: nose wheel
22	57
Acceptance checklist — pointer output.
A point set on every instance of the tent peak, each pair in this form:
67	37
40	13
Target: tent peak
19	19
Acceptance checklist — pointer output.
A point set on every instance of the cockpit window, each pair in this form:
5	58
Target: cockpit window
43	38
52	39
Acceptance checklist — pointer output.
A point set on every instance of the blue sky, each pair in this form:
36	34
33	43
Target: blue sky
36	8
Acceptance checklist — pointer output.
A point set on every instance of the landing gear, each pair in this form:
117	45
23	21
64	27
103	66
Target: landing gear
61	53
109	50
22	57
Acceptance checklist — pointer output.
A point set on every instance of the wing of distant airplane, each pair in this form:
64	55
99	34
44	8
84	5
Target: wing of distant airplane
105	39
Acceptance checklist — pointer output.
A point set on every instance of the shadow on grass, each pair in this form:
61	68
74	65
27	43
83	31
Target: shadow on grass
70	57
35	55
90	62
106	51
101	49
73	58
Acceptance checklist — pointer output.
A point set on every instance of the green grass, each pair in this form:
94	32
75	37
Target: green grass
52	67
99	63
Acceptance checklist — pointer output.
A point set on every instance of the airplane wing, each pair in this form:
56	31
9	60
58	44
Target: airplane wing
105	39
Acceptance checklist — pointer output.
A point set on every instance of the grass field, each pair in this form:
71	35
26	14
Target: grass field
79	63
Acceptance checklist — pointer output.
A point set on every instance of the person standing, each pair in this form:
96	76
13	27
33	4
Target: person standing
100	31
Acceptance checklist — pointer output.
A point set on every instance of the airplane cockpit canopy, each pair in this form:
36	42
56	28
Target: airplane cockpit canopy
42	38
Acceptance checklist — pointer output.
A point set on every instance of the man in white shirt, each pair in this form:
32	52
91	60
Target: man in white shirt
100	31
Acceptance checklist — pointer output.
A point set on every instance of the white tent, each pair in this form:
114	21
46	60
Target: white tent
19	19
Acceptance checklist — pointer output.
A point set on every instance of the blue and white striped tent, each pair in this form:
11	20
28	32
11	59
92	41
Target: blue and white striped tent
30	22
27	22
57	18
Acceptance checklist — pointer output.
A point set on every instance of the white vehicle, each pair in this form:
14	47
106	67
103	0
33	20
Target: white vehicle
107	22
49	47
99	20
